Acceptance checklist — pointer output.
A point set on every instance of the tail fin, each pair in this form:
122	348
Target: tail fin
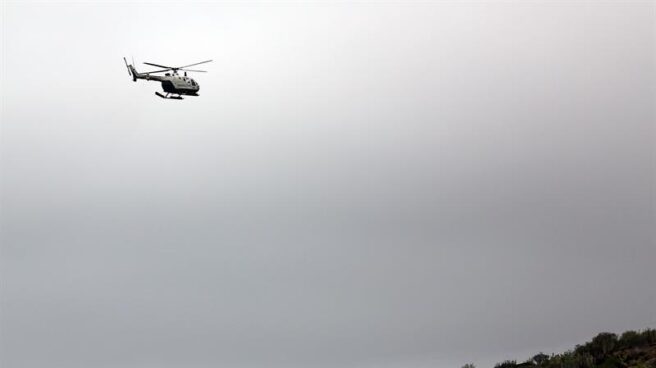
131	70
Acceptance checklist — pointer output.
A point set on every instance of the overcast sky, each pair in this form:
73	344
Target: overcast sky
358	185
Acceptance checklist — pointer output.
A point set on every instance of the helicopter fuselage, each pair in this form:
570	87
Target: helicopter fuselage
174	83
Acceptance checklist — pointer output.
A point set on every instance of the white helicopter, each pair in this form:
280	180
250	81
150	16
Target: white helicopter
172	83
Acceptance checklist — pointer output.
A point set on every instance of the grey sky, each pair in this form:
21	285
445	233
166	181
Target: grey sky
358	185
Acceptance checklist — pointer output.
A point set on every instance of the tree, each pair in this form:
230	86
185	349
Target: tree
506	364
540	358
649	335
469	365
602	345
630	339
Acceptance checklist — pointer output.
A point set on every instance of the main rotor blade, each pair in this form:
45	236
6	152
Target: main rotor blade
157	71
192	70
202	62
161	66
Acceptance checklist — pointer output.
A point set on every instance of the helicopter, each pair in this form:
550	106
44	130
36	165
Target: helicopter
172	83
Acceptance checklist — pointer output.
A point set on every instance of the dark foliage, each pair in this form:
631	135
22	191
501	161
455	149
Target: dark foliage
506	364
632	349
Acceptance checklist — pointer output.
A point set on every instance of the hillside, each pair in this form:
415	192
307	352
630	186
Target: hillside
632	349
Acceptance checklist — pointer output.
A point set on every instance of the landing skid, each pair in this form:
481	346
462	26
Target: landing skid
178	97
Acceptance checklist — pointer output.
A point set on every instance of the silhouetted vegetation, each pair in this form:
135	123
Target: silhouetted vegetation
633	349
506	364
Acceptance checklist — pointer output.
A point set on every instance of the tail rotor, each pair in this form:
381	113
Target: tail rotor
127	66
131	71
